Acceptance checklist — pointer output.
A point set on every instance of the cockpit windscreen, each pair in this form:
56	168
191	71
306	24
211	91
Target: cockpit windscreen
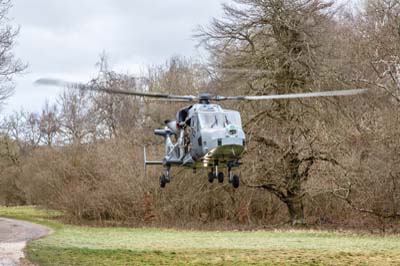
220	120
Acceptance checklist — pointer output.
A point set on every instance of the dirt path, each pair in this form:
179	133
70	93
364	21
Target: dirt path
13	237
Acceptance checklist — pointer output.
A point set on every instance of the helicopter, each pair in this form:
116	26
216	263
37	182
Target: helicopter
203	134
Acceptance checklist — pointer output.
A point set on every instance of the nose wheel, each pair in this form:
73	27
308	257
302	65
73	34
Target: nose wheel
220	177
214	174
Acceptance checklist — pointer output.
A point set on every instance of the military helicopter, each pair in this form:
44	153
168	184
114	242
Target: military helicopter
203	135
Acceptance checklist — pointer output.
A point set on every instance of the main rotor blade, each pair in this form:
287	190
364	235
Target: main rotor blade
74	85
239	70
293	96
170	97
56	83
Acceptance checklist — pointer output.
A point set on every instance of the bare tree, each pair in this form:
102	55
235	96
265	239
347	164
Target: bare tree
49	123
283	40
379	36
178	75
115	114
9	66
24	128
372	48
76	116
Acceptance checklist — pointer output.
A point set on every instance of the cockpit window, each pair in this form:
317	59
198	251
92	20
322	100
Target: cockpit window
219	120
233	118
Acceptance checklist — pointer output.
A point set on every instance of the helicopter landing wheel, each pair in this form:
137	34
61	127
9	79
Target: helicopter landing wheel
211	177
163	181
235	181
220	177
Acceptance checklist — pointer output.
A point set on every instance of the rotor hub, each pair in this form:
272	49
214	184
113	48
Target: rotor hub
204	98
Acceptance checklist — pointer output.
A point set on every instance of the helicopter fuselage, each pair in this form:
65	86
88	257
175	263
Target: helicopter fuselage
216	135
206	135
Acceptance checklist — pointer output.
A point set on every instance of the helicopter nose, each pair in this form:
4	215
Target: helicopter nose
225	152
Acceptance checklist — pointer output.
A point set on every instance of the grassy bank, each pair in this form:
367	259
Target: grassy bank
73	245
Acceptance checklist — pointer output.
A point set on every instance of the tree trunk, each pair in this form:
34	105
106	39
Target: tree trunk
296	211
294	192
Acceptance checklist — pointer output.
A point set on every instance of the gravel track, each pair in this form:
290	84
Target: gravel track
13	237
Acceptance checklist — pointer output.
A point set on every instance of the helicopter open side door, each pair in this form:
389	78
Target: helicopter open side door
195	138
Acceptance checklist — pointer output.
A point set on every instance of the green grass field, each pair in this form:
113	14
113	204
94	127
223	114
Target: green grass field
73	245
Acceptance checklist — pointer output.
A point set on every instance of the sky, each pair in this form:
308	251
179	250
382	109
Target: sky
64	39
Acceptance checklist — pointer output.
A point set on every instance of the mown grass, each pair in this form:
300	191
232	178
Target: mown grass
73	245
33	214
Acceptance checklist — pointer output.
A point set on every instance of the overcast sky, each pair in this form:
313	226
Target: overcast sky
64	39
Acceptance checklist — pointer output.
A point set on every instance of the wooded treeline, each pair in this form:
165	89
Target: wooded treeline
331	162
